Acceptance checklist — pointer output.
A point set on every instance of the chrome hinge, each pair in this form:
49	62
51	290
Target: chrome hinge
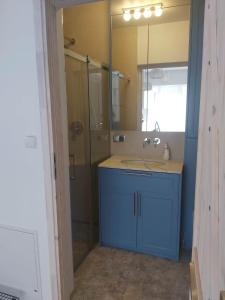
55	170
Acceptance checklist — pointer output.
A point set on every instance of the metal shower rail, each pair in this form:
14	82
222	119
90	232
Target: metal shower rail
85	59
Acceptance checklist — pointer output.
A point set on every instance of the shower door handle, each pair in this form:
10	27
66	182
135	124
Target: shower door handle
73	176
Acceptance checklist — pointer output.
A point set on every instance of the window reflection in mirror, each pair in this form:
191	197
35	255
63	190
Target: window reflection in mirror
149	67
163	98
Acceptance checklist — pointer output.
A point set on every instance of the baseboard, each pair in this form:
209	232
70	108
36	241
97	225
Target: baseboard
196	290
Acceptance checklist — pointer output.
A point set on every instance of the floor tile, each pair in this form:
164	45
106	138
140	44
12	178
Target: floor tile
112	274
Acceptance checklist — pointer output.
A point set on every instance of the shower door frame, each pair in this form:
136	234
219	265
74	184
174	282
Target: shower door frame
87	157
90	63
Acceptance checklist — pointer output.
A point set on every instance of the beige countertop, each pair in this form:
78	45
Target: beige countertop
143	164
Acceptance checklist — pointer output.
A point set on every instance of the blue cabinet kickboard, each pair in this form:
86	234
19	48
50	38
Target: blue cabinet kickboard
140	211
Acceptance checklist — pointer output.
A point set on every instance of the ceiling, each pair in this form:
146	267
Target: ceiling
174	10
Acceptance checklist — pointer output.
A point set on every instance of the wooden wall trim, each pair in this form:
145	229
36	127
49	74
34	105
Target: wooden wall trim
47	140
55	66
194	291
196	287
55	59
222	295
209	220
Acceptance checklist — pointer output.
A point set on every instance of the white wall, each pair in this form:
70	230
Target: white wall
23	202
168	43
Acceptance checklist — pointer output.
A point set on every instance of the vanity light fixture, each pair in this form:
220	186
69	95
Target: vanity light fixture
146	11
137	14
158	11
127	15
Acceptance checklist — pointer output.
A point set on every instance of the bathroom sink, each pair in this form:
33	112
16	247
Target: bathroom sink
145	162
132	161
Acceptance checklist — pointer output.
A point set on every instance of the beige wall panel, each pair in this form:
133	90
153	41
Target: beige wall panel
168	43
88	24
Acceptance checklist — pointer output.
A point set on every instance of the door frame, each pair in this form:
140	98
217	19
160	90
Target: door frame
57	93
52	88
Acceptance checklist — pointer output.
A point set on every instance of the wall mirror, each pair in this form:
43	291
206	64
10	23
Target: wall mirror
149	59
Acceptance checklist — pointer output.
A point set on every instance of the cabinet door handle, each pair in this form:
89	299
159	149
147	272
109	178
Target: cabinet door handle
134	204
139	203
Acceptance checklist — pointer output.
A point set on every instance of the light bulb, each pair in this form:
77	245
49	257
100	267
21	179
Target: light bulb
158	11
126	16
137	14
147	13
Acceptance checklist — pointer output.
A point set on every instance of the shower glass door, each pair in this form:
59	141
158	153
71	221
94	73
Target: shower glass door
80	158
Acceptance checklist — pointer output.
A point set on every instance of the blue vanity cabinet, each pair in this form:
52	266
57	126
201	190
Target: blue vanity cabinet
117	209
140	211
158	223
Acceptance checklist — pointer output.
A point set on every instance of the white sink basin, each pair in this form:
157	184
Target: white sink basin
145	162
132	161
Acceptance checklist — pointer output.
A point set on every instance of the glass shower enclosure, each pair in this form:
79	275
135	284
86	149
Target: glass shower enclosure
88	133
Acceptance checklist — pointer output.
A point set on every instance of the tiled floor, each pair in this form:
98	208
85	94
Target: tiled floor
111	274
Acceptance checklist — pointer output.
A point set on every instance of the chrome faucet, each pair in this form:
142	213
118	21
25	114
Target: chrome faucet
147	141
157	128
154	141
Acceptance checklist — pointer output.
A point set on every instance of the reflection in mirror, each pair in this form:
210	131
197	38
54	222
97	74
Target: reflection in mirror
163	98
149	65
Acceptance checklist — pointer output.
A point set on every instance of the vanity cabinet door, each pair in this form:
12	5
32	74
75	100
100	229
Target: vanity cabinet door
159	215
117	210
